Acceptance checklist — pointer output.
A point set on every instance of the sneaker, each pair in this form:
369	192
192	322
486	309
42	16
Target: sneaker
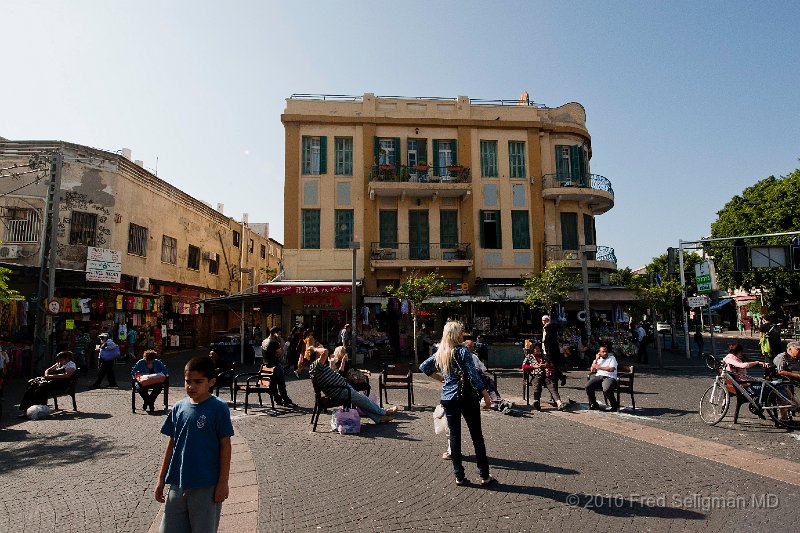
296	374
290	404
446	455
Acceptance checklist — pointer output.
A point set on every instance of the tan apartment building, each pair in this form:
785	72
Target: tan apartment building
170	250
480	191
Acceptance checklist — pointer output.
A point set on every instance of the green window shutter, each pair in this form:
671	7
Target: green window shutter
584	165
569	231
343	218
588	229
520	233
310	228
499	231
397	151
323	155
422	151
454	148
562	165
376	149
448	228
483	237
435	154
388	228
575	163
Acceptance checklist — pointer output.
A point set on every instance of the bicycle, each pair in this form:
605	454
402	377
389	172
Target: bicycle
775	398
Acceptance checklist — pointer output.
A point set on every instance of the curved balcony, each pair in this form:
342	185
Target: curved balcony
604	257
590	189
419	181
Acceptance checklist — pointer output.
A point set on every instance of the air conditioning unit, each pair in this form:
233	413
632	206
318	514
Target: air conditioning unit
210	256
141	284
9	252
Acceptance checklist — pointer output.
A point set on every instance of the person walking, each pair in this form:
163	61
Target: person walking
451	364
109	352
698	340
552	349
272	348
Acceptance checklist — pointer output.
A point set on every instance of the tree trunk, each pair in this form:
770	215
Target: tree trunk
414	322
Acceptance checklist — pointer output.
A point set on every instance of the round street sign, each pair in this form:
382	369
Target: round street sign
54	306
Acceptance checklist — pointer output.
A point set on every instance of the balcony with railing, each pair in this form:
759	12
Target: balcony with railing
419	180
593	189
603	258
417	255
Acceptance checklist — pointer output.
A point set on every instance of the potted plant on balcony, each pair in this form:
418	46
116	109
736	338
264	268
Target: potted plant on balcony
421	166
455	167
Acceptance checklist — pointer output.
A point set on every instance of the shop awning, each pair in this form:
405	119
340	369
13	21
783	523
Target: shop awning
307	287
720	303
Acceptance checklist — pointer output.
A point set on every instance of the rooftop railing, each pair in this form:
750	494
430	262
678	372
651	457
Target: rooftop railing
420	174
393	251
473	101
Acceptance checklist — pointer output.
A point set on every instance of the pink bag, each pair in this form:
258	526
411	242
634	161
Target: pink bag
145	380
346	421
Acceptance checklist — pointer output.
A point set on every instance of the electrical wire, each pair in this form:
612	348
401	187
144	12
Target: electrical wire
22	187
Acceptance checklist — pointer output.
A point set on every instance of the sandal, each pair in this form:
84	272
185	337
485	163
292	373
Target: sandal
491	480
462	482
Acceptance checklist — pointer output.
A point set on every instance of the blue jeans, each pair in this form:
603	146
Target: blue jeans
366	405
191	511
453	410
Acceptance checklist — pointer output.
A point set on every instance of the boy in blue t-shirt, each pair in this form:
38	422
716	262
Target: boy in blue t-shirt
197	460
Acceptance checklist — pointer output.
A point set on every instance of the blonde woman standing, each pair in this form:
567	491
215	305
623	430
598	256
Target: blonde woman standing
449	362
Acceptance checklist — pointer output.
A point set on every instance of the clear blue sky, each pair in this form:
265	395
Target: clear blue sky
687	102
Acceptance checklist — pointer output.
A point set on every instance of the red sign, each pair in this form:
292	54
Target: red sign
311	288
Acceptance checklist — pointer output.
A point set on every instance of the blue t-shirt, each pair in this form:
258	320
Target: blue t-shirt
197	430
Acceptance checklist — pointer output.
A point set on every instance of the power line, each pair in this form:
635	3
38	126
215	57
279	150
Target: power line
22	187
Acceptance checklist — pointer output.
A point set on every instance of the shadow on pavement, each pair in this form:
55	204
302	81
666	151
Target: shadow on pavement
56	450
607	505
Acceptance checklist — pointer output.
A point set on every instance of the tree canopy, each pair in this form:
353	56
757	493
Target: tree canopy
550	287
6	293
417	288
769	206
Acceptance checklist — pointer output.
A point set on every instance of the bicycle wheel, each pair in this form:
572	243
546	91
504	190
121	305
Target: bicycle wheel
788	414
714	404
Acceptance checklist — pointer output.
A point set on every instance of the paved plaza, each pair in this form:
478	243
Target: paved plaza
659	468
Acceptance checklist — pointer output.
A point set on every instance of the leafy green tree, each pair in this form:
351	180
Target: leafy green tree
550	287
769	206
6	293
660	265
417	288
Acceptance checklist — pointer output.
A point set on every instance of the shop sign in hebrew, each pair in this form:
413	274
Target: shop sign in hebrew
103	265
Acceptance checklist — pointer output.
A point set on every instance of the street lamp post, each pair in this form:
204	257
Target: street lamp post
586	249
354	246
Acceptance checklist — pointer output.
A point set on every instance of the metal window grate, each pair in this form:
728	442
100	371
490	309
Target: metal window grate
23	225
83	228
137	240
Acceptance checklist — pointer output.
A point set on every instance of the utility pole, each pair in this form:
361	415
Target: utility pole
586	249
43	330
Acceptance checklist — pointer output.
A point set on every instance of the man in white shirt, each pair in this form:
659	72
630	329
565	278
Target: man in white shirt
605	368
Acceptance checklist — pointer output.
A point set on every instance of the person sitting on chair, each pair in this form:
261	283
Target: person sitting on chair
56	378
148	364
330	381
605	368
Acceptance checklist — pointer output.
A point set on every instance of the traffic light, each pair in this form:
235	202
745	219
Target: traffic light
741	261
671	261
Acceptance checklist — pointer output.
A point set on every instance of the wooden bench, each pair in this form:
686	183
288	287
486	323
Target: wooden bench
323	402
625	377
254	382
396	376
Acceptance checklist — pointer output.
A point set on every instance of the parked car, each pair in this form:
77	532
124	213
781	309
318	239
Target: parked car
229	347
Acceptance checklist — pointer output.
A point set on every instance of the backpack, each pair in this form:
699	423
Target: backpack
764	344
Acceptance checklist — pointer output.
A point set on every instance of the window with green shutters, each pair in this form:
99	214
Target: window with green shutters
520	231
344	227
569	231
343	152
387	151
445	153
588	230
489	159
448	228
315	155
571	165
516	159
388	228
417	152
491	234
310	228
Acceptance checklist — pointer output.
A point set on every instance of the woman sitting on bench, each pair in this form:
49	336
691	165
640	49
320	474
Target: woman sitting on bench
55	379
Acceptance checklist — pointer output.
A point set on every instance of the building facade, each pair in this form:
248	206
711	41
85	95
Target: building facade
172	250
481	192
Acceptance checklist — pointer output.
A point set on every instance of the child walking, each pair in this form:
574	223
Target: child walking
197	461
